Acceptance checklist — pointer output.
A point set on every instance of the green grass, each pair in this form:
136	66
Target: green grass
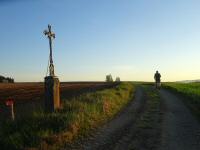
191	92
148	124
78	116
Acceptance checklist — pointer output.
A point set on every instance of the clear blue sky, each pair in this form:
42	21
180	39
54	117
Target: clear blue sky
127	38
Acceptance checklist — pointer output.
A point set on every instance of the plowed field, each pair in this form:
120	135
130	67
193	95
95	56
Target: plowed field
30	96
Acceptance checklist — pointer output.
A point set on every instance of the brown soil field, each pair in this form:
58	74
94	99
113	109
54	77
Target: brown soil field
30	96
34	91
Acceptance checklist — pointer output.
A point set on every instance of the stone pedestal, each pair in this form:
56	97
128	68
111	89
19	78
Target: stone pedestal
52	93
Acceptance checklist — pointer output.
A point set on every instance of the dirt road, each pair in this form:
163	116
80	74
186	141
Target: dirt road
118	134
153	120
181	131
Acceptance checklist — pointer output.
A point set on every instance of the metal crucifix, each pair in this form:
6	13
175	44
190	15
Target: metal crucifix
51	36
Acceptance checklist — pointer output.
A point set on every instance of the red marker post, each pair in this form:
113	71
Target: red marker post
10	104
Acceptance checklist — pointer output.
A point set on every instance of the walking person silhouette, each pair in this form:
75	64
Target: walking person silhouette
157	77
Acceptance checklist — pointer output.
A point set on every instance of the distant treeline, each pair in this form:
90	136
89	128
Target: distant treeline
6	79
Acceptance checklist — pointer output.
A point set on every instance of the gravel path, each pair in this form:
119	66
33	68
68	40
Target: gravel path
178	129
116	134
181	131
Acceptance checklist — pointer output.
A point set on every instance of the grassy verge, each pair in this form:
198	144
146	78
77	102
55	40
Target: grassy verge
56	130
191	94
148	125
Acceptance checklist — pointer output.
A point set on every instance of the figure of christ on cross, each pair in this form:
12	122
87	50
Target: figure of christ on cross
51	36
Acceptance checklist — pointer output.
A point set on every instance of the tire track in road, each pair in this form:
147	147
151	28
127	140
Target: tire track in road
181	131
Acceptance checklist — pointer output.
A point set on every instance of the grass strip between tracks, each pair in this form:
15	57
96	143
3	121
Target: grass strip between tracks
147	133
78	116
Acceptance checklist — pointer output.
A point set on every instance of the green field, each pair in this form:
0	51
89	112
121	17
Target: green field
190	92
77	117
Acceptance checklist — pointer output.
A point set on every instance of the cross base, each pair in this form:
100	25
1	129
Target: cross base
52	93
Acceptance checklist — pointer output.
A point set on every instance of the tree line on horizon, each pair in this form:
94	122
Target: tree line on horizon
6	79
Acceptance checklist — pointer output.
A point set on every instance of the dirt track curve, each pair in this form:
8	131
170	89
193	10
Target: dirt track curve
179	130
117	133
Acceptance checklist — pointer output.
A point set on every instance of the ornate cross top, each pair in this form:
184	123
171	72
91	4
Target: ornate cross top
51	36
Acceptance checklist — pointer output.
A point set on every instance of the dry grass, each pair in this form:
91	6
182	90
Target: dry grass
78	116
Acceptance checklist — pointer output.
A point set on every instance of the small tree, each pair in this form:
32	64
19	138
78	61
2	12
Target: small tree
109	78
117	79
